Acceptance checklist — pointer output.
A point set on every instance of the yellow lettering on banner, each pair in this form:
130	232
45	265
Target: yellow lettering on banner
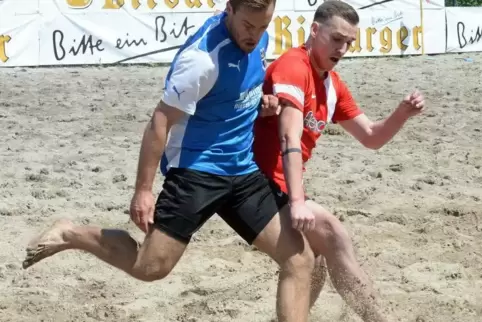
117	4
151	4
193	3
79	3
171	3
301	31
389	38
283	35
402	34
356	45
198	4
3	50
417	31
386	40
370	32
113	4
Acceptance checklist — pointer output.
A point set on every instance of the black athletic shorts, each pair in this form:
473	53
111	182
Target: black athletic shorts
189	198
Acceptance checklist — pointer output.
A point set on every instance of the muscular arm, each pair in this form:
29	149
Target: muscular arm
375	135
290	131
154	142
190	78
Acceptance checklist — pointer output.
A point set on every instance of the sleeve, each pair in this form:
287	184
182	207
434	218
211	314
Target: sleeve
346	107
289	79
190	78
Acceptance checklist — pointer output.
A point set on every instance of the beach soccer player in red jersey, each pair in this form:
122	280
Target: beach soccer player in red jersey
311	95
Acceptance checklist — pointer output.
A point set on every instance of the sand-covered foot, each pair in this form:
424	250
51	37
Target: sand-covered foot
48	243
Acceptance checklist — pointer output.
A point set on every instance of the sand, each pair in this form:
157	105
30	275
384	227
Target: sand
69	140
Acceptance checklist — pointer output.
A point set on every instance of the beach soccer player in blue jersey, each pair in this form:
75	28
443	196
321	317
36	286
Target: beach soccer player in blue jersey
201	134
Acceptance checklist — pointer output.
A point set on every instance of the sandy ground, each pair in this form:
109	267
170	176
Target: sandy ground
69	141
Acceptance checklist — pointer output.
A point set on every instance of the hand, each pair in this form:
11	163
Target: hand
142	209
302	217
269	106
413	104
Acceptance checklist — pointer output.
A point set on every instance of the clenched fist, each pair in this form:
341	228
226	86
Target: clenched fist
302	218
413	104
142	209
269	106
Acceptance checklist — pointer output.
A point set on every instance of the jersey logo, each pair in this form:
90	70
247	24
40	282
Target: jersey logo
249	98
235	66
263	58
174	88
313	124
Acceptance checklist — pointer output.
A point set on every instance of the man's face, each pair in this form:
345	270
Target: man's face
247	26
331	41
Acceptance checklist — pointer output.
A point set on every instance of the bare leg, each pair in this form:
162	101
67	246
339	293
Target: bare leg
291	251
318	278
153	260
331	240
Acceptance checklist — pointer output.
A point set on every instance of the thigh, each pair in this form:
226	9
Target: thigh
188	199
254	202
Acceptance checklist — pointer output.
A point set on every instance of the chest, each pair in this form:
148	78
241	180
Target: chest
320	103
238	89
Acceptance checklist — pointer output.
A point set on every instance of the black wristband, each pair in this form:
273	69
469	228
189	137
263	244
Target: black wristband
285	152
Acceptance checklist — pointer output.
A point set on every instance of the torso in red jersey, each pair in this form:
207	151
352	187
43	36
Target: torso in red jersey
322	101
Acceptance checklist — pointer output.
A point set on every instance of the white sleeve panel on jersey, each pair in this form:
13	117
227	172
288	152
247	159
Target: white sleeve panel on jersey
193	76
294	91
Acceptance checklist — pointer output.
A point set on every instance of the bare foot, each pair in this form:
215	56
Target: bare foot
48	243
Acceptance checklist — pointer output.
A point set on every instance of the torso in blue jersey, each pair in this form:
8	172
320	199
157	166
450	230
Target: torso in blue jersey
219	87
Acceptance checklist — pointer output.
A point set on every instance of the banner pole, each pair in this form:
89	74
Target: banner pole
423	27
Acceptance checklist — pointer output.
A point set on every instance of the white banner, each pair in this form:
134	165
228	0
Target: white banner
143	38
311	5
139	6
67	32
19	44
19	7
380	33
464	29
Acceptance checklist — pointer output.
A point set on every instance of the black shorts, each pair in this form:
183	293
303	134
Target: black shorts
189	198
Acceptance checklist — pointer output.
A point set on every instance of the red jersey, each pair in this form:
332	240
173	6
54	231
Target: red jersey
291	77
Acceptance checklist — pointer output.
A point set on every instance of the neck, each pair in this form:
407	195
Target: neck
321	72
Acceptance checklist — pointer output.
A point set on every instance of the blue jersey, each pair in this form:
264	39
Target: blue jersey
219	87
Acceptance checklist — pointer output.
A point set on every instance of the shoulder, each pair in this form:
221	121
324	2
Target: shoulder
293	62
199	53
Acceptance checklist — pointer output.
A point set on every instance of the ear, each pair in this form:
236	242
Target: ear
229	8
315	27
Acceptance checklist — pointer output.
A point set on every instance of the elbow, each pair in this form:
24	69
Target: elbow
289	140
370	141
371	144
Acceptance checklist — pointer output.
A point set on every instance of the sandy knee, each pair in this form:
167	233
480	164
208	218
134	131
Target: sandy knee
337	234
151	271
157	256
329	233
301	262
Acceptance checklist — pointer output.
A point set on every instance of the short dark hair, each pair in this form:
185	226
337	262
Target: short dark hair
251	4
331	8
